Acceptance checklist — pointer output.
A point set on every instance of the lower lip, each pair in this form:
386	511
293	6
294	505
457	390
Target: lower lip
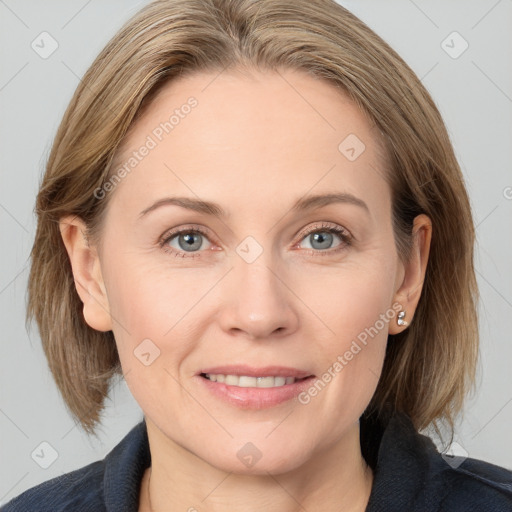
256	398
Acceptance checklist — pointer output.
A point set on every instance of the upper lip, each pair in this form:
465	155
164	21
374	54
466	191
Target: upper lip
252	371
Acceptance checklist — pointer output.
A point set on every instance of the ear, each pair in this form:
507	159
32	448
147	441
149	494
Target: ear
409	291
87	275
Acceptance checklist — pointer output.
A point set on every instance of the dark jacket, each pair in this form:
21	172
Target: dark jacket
410	475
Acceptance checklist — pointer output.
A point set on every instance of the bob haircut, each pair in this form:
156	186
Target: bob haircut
430	367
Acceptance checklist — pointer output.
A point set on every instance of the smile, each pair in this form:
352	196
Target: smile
245	381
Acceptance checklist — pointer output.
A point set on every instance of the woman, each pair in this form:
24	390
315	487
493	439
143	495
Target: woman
252	211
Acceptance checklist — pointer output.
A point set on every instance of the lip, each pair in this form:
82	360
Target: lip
255	398
252	371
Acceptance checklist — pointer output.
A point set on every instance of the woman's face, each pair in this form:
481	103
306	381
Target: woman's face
293	272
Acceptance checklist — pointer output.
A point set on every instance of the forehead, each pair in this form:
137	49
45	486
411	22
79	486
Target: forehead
256	134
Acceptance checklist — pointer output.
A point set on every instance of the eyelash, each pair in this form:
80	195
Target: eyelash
343	234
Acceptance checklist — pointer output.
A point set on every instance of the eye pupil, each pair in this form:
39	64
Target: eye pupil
324	238
192	241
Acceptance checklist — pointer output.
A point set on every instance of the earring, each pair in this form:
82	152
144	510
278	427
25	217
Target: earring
400	320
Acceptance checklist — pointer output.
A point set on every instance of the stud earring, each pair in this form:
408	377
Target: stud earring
400	320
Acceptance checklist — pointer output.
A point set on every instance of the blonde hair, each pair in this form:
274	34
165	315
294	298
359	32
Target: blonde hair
429	367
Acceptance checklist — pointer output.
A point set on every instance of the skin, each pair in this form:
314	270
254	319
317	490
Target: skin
254	144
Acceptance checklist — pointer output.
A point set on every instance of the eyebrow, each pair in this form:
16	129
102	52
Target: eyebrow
304	203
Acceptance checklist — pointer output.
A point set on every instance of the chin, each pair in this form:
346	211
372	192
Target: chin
249	460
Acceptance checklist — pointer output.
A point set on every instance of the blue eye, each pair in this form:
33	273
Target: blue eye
188	241
324	240
321	238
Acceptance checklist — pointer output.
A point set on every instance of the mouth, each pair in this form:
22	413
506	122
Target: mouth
248	381
254	388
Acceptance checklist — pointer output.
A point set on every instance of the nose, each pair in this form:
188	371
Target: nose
258	303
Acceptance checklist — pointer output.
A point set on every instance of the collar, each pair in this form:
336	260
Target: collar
402	461
406	465
124	468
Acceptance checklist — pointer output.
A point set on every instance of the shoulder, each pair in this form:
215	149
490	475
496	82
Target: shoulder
112	483
411	474
476	485
81	489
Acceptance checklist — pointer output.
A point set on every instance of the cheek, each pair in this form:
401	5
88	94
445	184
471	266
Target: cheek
152	306
352	298
151	297
355	308
154	300
152	335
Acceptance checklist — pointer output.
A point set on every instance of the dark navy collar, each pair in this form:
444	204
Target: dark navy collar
124	468
409	473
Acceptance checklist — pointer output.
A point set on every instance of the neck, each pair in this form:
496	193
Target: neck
336	479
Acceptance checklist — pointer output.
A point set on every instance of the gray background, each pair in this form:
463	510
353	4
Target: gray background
473	92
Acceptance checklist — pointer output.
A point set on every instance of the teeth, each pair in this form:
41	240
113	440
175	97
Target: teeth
244	381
